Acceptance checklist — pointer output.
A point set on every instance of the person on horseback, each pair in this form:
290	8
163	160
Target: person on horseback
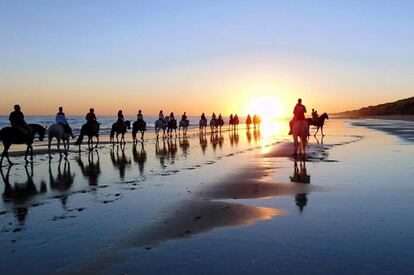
161	116
91	117
298	114
17	120
213	116
171	116
315	115
121	120
249	120
61	119
203	117
140	116
185	118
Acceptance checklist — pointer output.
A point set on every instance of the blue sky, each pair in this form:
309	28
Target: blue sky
355	51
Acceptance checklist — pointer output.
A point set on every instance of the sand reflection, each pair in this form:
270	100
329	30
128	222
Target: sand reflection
19	195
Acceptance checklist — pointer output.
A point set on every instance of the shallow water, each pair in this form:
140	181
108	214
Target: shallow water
216	204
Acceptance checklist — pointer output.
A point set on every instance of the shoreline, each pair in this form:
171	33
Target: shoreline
384	117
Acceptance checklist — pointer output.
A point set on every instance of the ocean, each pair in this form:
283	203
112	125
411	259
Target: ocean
76	122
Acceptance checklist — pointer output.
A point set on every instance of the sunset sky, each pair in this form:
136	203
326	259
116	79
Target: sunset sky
222	56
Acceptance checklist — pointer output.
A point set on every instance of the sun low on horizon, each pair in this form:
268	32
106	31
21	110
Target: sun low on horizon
268	107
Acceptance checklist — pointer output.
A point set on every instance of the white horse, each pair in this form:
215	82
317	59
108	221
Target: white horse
300	129
160	124
57	131
184	125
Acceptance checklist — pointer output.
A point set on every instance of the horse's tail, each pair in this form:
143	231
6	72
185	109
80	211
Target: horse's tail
81	135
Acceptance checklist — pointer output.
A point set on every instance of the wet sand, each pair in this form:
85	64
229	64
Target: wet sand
234	202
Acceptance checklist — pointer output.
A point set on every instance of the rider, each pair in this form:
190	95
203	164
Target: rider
61	119
91	117
161	116
236	119
203	117
220	118
213	116
120	120
249	119
140	116
17	120
298	114
184	117
315	115
171	116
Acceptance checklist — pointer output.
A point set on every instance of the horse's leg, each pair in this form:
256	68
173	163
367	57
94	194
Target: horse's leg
6	154
58	146
48	147
97	141
322	130
27	152
295	145
317	130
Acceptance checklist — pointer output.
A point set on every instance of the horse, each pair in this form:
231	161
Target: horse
220	123
138	126
300	129
203	125
119	128
184	125
57	131
320	121
160	125
213	125
248	122
256	121
172	125
13	135
90	129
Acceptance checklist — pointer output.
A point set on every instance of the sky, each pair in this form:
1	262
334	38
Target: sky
204	56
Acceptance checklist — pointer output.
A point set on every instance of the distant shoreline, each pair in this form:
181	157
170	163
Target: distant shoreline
384	117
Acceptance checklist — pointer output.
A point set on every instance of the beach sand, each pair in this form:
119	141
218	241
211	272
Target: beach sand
234	202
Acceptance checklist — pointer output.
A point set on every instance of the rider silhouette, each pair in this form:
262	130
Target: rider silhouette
61	119
315	115
184	117
161	116
91	117
121	120
17	120
298	114
140	116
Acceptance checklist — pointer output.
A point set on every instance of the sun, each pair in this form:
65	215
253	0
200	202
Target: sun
267	107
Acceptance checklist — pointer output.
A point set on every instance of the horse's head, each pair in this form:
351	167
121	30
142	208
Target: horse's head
128	124
40	130
325	115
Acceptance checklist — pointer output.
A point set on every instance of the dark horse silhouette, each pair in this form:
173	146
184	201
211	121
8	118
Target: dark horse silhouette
319	122
138	126
11	135
119	128
89	129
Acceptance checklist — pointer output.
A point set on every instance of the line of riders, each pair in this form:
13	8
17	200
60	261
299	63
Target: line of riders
22	133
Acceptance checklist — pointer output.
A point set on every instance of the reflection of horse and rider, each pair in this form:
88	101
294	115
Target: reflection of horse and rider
300	175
